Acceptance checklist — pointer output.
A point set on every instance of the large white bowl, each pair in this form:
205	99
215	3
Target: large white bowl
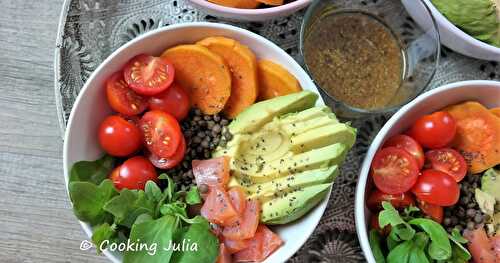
91	108
452	36
258	14
486	92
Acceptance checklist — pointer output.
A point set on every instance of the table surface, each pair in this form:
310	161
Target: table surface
36	219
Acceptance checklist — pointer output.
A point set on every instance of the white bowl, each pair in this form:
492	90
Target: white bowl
258	14
486	92
452	36
91	108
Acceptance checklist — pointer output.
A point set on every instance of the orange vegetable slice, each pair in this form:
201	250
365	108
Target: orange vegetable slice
213	172
272	2
248	4
496	111
243	66
246	225
263	244
274	80
218	209
203	74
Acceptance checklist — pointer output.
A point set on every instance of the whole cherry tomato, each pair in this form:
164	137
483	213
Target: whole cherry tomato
134	174
119	137
434	131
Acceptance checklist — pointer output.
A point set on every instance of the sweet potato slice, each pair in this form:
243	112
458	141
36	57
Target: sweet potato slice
228	3
275	81
272	2
248	4
204	75
496	111
478	135
243	66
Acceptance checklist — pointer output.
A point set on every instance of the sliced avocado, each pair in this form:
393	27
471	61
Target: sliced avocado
282	185
485	201
255	116
318	158
490	183
294	205
299	127
305	115
323	136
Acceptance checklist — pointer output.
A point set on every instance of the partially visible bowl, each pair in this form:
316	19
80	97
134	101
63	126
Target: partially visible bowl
91	108
259	14
452	36
486	92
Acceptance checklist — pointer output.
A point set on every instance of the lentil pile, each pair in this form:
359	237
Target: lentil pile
466	214
203	133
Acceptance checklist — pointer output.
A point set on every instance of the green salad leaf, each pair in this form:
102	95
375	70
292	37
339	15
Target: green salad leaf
128	205
202	245
193	196
440	247
459	253
390	216
92	171
102	233
374	239
89	200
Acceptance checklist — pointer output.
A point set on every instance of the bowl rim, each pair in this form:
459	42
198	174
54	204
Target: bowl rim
308	17
359	204
258	11
300	239
455	30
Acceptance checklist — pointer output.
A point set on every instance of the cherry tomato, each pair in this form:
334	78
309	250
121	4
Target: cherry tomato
162	133
395	171
174	100
133	174
434	131
148	75
170	162
408	144
119	137
435	212
449	161
437	188
376	198
123	99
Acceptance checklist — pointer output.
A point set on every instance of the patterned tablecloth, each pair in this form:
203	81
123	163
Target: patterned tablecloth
90	30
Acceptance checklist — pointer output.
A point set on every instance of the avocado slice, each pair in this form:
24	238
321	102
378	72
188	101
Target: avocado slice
255	116
288	208
299	127
305	115
323	136
490	183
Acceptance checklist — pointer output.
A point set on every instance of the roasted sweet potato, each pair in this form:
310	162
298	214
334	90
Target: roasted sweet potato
247	4
204	75
478	135
228	3
496	111
275	81
271	2
243	66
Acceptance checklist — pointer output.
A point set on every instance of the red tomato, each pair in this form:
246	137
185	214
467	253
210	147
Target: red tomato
233	245
213	172
376	198
395	171
437	188
224	255
408	144
119	137
480	246
174	100
238	199
374	224
263	244
123	99
435	212
449	161
434	131
172	161
247	223
162	133
148	75
218	209
134	173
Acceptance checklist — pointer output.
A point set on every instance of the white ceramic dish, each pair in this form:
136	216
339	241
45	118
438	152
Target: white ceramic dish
486	92
91	108
452	36
258	14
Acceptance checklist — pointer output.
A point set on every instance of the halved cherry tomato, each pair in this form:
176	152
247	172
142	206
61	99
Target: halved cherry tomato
123	99
174	100
480	246
435	212
449	161
162	133
119	137
233	245
148	75
218	209
408	144
437	188
134	174
172	161
376	198
247	223
224	255
395	171
374	224
263	244
238	199
434	131
212	172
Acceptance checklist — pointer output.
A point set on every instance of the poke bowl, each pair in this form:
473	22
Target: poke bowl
181	161
447	135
